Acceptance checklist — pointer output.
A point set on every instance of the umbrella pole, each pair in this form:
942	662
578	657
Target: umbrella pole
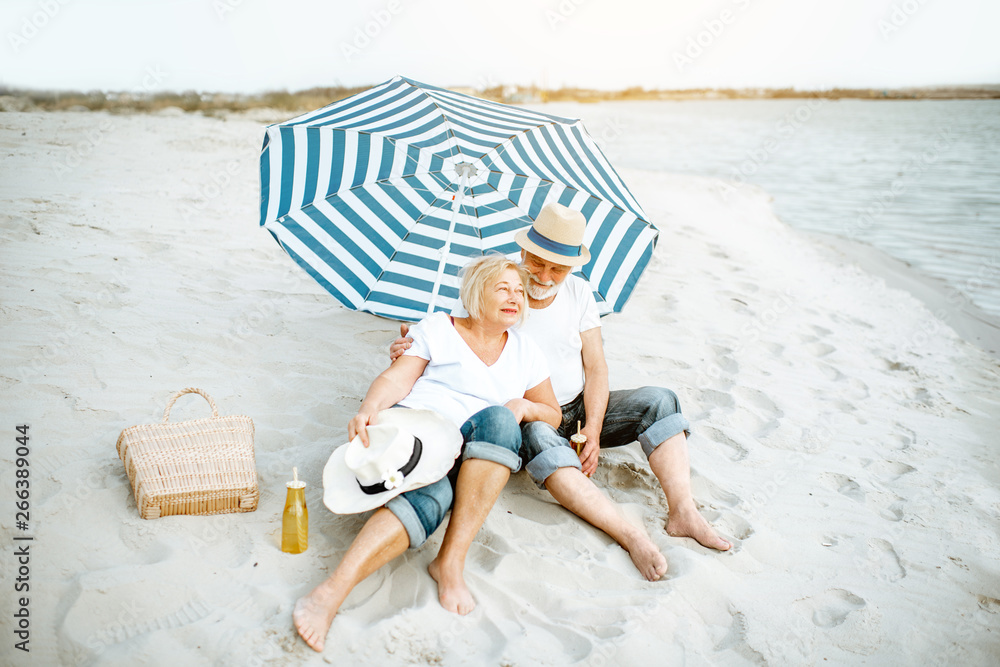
456	207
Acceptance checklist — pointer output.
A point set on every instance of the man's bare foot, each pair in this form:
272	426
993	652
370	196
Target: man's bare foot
688	522
645	556
313	615
453	594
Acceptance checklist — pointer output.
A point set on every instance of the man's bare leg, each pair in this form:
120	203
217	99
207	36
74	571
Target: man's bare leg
382	538
478	487
671	465
577	493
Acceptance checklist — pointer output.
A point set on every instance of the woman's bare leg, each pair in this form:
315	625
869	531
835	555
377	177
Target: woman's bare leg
479	485
382	538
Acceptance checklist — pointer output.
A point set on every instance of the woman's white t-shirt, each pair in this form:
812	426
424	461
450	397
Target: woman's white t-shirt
456	383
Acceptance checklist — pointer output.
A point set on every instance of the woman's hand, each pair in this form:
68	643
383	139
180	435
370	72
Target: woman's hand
359	425
388	389
520	407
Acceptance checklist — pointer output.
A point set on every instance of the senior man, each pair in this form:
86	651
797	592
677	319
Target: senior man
563	320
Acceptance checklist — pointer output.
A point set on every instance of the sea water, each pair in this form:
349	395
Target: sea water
917	179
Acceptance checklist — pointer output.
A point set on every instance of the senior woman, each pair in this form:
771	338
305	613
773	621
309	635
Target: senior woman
485	377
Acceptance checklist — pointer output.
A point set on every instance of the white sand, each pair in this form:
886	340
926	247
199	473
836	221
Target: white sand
845	438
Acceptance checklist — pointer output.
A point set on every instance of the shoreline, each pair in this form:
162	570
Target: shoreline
947	303
301	101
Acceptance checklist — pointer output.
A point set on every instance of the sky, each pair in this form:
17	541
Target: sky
256	45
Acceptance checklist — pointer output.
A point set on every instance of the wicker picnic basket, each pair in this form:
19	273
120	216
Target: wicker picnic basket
200	467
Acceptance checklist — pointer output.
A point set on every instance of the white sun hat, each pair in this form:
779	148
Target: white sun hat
557	236
407	449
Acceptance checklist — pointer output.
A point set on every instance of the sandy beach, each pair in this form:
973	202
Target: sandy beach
844	435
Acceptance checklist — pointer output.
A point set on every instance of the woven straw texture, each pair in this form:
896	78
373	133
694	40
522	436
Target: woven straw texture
198	467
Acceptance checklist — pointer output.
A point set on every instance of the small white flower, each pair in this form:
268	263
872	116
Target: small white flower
392	479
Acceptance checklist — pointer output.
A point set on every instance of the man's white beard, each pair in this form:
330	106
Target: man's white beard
540	291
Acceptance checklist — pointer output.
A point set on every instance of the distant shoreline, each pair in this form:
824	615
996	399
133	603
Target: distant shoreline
126	101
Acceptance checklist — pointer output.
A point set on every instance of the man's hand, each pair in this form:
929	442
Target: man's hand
401	344
591	450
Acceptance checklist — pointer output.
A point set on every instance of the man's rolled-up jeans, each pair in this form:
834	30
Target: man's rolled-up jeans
648	414
492	434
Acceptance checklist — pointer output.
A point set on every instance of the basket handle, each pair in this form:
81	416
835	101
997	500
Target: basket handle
190	390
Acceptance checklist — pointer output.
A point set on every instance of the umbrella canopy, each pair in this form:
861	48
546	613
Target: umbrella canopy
383	196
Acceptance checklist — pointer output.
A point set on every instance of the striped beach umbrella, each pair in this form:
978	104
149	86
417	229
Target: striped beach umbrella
383	196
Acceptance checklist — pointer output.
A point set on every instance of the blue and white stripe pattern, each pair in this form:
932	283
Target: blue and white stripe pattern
361	194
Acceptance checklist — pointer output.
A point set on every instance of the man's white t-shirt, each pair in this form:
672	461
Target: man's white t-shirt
556	330
456	383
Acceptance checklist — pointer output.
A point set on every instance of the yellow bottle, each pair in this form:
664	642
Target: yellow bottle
295	520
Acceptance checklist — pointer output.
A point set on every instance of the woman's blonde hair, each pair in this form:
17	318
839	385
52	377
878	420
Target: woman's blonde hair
480	275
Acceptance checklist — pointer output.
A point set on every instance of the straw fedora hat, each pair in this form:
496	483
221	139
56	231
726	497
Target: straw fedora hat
407	449
556	236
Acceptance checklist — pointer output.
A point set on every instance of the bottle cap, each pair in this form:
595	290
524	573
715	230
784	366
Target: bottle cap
296	483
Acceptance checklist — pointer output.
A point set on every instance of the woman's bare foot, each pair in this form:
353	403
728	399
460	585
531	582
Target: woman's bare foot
313	615
453	594
688	522
645	556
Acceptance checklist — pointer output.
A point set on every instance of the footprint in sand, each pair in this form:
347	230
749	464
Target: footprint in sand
893	512
820	349
731	526
831	608
711	398
831	372
756	414
724	359
715	494
902	437
758	401
627	476
820	331
890	470
886	559
737	451
736	640
845	486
